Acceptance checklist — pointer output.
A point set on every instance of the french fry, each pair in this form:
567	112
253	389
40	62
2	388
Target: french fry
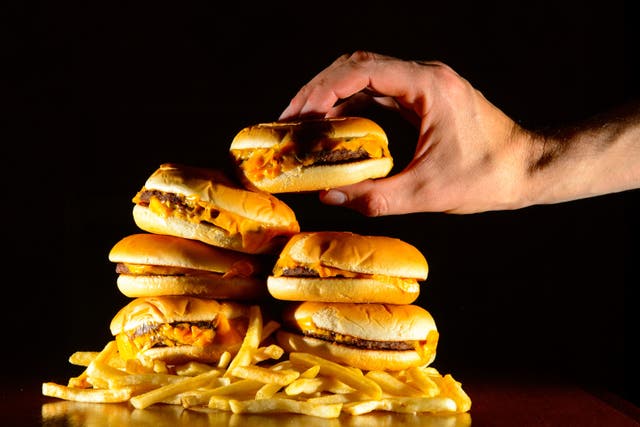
86	395
240	387
188	383
340	372
311	372
453	389
272	351
150	380
267	391
264	375
275	405
392	385
304	386
225	359
420	379
83	358
191	369
250	342
402	404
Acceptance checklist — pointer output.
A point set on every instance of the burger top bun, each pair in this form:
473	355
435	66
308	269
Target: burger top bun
214	187
375	322
165	250
169	309
266	135
357	253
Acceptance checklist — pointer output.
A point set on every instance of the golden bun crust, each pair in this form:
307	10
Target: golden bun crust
351	356
281	145
375	322
208	233
211	285
265	135
322	177
168	309
340	289
213	187
166	250
357	253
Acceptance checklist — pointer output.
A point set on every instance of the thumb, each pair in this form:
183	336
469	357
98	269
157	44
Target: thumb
386	196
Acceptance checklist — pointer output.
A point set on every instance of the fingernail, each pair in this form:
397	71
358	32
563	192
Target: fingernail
334	197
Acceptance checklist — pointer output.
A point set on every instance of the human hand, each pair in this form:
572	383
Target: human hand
469	157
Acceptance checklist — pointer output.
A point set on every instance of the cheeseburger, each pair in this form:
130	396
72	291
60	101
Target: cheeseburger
205	205
311	154
340	266
365	336
177	329
157	264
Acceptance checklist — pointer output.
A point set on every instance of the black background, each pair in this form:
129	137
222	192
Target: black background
101	93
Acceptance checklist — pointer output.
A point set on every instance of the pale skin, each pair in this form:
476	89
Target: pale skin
470	156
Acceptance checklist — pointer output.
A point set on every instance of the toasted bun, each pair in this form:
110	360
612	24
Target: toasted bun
298	138
266	135
165	250
169	309
340	289
256	222
305	322
375	322
357	253
204	286
352	356
323	177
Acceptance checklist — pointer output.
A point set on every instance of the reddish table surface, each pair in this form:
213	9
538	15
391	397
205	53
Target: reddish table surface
495	403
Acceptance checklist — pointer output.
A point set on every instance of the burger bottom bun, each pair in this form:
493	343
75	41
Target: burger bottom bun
391	360
341	290
203	286
208	233
322	177
187	353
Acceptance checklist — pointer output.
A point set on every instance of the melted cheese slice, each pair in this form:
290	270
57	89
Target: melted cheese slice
260	163
254	234
285	262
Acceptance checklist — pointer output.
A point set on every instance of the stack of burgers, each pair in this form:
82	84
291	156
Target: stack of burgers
213	249
201	263
350	300
351	295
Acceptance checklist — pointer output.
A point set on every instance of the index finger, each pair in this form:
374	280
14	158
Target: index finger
348	75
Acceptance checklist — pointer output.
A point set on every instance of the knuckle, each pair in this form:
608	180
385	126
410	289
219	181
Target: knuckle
373	204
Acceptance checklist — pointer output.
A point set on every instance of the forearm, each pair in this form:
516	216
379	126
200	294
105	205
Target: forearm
597	157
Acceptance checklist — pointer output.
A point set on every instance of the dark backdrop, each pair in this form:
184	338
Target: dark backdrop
100	94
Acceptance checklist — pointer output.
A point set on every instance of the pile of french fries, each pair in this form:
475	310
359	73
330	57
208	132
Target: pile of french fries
259	379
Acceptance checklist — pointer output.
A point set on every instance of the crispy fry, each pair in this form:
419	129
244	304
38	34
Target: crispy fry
276	405
189	383
453	389
420	379
83	358
267	391
250	343
272	351
392	385
191	369
342	373
402	404
264	375
86	395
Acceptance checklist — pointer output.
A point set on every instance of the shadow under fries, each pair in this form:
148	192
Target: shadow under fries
72	414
